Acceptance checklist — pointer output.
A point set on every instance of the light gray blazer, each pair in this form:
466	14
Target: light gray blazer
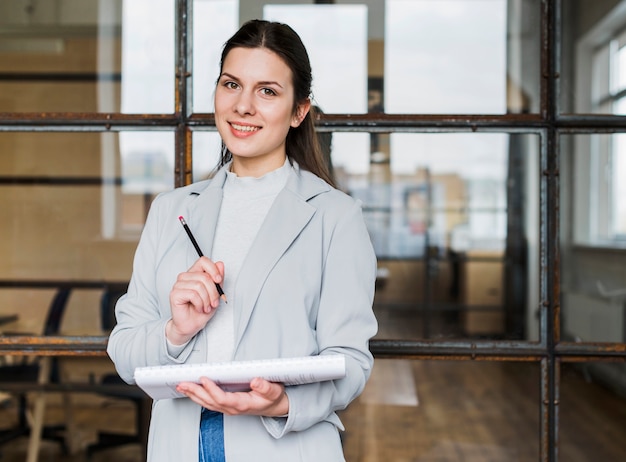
305	288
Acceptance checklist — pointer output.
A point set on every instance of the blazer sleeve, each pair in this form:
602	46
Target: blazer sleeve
345	324
138	338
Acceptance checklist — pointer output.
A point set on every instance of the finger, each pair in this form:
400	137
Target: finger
215	275
261	386
213	389
214	270
196	297
196	393
203	284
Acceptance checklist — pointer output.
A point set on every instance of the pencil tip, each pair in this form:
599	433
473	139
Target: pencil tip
224	298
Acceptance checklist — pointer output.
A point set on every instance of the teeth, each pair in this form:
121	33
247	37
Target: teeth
245	128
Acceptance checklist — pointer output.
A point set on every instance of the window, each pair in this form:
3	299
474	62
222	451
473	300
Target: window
600	210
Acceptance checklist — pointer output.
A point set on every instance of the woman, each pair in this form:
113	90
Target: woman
292	256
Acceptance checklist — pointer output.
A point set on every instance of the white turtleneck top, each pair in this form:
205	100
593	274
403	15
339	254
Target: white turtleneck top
245	204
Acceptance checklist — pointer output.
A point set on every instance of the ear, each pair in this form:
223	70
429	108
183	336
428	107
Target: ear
301	111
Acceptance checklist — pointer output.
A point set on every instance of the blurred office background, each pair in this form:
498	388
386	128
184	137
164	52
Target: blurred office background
485	139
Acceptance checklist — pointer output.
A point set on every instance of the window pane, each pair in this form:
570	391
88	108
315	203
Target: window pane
96	187
147	160
619	64
206	154
147	56
446	411
350	154
599	208
147	169
593	66
457	176
52	190
76	210
214	22
593	291
618	183
107	56
444	212
445	57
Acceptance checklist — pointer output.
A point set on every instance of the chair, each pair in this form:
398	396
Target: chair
121	390
38	370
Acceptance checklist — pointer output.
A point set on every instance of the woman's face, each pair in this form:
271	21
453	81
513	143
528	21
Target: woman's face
254	103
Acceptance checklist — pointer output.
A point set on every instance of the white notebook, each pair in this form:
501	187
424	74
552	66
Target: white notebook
160	381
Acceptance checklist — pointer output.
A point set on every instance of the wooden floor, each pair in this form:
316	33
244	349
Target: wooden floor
420	411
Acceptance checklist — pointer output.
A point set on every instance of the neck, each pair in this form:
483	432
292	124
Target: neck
256	168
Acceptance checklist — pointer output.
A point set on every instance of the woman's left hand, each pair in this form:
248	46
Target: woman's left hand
264	398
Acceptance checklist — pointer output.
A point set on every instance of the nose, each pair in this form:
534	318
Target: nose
244	103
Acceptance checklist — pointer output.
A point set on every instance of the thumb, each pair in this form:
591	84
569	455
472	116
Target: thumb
260	386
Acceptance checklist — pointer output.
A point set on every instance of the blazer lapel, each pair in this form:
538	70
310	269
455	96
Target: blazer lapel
202	213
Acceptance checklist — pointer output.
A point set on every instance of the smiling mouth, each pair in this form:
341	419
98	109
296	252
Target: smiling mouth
245	128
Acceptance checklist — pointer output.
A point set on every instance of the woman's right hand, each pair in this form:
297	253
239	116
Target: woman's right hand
194	300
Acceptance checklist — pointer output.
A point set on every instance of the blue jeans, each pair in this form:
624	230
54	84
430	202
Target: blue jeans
211	444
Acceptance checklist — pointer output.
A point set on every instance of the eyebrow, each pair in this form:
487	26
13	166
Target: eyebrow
264	82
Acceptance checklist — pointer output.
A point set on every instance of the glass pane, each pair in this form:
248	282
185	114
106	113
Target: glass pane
445	411
593	66
618	182
453	54
597	189
206	154
62	189
592	411
445	211
106	56
619	74
147	162
214	21
147	56
593	291
445	184
76	204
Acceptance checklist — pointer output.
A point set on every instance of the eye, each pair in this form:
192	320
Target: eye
268	92
231	85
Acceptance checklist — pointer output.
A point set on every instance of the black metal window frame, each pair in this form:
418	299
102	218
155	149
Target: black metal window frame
549	124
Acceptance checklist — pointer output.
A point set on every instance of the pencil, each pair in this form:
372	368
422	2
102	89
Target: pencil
200	254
